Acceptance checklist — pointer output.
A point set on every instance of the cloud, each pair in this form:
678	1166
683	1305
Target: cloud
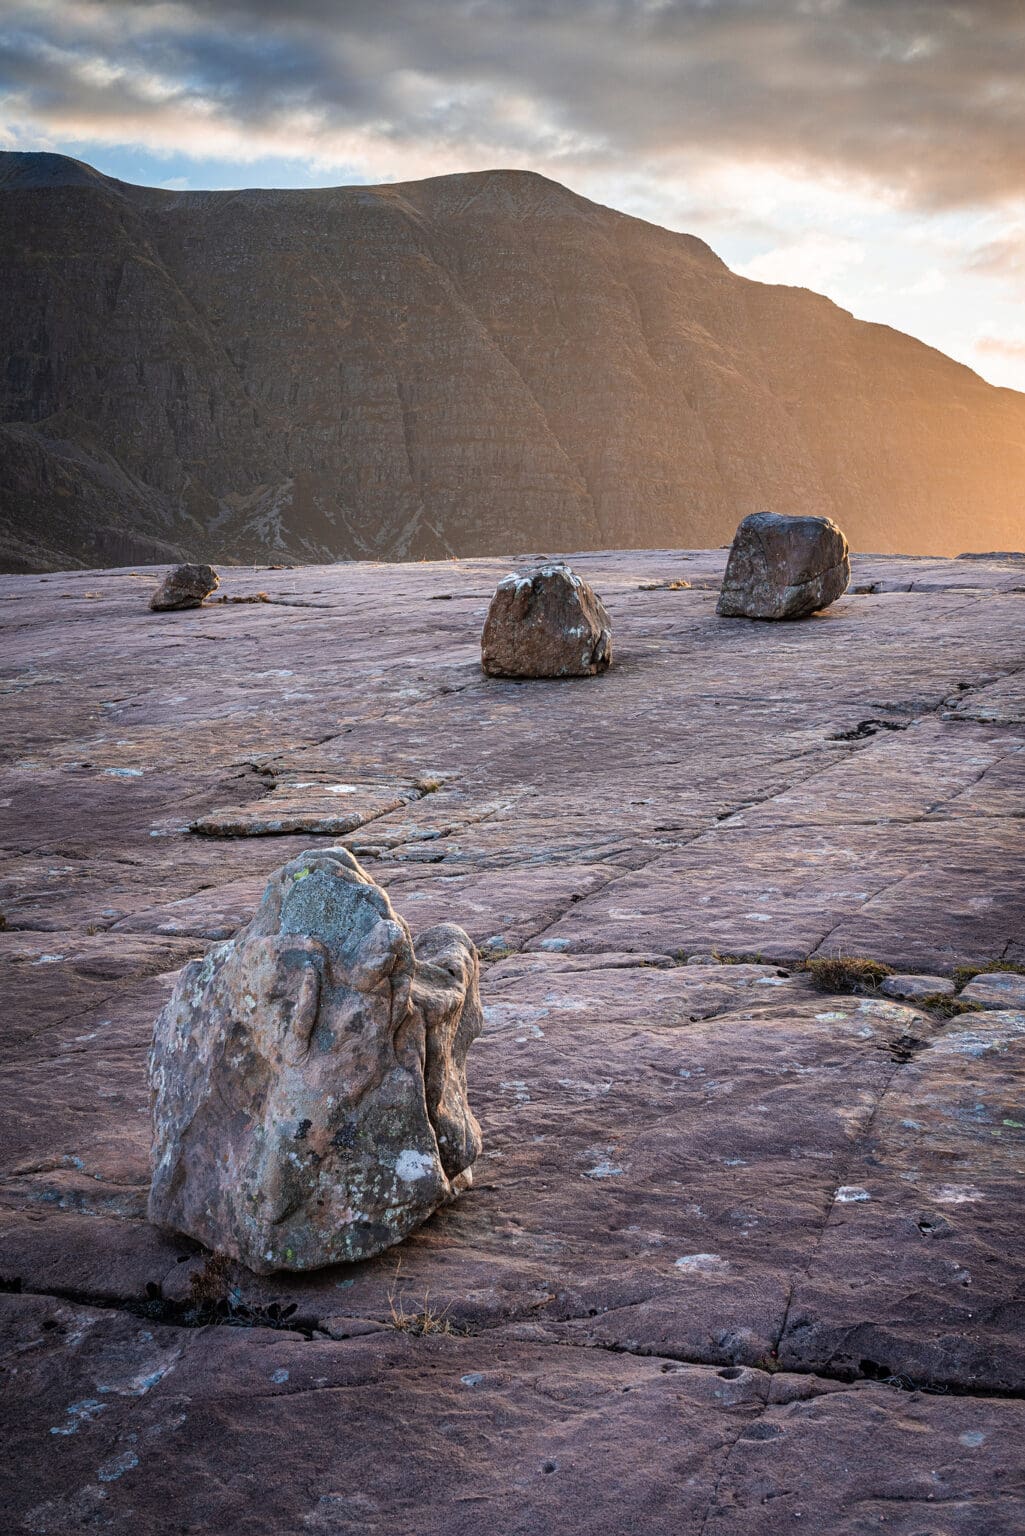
1000	346
931	281
921	99
814	259
1003	257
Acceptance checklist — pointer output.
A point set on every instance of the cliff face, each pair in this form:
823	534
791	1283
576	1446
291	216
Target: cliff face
469	365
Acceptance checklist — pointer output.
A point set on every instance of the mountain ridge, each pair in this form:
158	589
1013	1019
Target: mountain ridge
460	365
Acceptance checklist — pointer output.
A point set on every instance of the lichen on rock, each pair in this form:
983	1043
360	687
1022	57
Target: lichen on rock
308	1076
546	622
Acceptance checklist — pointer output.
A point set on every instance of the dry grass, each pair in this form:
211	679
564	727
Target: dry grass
963	974
947	1007
209	1285
422	1320
847	973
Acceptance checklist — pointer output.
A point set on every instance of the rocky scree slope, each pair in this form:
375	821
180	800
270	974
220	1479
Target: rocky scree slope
454	366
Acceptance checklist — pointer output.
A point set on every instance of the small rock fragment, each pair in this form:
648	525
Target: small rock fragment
184	587
783	567
546	623
996	989
914	987
308	1077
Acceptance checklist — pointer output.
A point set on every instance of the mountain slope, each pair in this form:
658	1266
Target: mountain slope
465	365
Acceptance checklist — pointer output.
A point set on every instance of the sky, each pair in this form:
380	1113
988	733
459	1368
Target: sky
873	150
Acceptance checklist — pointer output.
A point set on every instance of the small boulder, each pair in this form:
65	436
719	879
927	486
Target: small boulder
913	988
308	1077
783	567
185	587
996	989
546	623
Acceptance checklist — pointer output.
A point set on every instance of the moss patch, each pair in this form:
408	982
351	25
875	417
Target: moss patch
963	974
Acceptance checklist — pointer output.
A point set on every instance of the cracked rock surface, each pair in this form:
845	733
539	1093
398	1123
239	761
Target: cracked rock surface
739	1256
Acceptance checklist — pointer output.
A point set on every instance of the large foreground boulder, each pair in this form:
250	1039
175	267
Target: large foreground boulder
308	1077
184	587
783	567
546	623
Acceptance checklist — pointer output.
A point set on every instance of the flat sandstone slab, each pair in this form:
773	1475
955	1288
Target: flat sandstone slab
716	1211
117	1422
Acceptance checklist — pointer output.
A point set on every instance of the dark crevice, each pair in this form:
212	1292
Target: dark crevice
226	1313
866	1370
197	1312
905	1047
869	728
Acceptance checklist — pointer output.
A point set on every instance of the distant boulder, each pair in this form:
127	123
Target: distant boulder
185	587
546	623
783	567
308	1077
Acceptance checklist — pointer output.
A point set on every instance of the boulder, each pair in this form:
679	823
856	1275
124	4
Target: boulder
308	1077
783	567
546	623
913	989
184	587
997	989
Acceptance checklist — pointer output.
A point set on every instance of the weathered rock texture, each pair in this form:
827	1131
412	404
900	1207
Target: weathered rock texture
473	364
782	567
997	989
914	989
741	1259
308	1076
546	623
184	587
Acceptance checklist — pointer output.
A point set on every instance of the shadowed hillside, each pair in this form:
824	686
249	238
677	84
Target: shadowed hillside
470	364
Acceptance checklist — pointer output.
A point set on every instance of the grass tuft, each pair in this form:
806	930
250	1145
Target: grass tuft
947	1007
963	974
209	1285
847	973
423	1320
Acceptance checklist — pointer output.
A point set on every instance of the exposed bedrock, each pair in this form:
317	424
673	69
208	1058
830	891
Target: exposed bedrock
740	1257
546	623
784	567
308	1083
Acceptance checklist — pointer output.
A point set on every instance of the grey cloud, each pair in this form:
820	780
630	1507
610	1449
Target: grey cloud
922	96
